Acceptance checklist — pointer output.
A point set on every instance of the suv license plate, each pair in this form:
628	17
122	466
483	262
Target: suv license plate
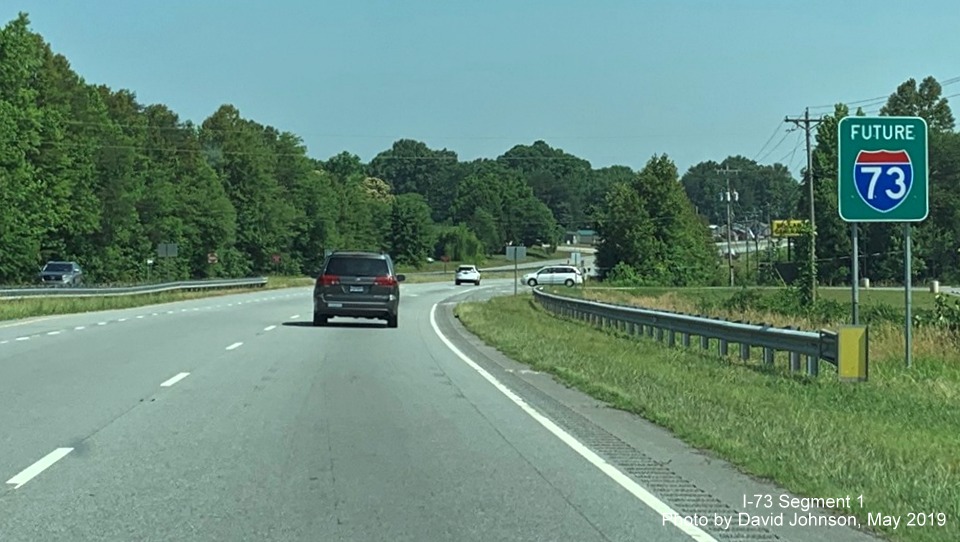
356	289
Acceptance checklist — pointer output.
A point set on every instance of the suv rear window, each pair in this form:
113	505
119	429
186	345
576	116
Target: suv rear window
357	267
465	268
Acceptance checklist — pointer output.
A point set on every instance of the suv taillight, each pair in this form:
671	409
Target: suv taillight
328	280
385	281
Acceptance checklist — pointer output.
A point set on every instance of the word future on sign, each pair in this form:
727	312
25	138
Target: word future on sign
883	169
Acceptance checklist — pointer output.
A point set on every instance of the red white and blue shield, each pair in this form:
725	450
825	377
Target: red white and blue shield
883	178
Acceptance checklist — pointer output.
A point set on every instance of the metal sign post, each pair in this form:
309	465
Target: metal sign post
883	177
855	264
515	253
907	280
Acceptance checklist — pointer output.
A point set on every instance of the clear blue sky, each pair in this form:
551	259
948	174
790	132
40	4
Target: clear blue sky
612	81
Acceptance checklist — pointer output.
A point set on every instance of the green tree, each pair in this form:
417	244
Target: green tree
626	232
412	167
411	230
557	178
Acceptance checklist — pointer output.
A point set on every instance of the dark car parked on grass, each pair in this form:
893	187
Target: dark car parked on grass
357	285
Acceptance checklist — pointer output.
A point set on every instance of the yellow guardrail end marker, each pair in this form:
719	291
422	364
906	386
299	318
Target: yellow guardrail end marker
852	353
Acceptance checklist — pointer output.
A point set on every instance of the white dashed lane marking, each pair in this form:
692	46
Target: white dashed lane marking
32	471
142	316
174	380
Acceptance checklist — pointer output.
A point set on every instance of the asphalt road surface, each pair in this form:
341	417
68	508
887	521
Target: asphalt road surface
231	418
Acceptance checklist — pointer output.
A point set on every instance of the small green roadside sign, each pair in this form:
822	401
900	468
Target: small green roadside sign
883	169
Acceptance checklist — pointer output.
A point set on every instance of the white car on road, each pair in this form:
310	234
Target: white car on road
467	273
554	274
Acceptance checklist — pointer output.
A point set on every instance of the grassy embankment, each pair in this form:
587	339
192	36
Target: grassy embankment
894	439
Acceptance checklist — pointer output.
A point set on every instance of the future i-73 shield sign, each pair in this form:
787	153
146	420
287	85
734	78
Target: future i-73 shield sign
883	172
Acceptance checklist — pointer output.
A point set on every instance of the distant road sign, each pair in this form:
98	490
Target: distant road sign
276	258
883	169
787	228
212	258
515	253
167	250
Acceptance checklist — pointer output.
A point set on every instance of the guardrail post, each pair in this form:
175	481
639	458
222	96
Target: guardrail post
659	334
744	351
685	338
852	353
649	331
723	347
768	356
813	365
794	362
671	339
704	342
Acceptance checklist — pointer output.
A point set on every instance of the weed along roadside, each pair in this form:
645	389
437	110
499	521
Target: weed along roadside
892	439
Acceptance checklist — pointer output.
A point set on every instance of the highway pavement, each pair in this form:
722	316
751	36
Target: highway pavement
232	418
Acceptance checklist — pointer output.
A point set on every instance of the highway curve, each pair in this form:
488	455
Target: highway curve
231	418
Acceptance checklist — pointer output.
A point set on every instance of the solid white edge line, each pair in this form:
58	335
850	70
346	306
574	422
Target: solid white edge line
43	464
270	328
234	345
174	380
666	512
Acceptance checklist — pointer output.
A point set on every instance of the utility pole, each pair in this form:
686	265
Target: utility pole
807	124
730	196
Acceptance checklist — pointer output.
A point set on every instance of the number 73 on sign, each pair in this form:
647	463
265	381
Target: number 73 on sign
897	178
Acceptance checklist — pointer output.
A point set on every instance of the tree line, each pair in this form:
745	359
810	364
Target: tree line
88	173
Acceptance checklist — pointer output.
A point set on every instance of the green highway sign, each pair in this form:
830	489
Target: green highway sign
883	169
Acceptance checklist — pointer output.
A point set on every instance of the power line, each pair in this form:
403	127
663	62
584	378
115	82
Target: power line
773	135
879	99
777	146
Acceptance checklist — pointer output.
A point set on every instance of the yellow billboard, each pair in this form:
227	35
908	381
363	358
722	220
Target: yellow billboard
787	228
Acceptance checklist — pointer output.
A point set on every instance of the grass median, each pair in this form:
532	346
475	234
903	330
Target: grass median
893	440
11	309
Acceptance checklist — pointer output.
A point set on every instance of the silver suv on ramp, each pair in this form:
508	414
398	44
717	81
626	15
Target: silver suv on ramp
357	285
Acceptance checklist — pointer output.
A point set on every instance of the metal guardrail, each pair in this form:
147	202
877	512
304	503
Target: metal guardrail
186	286
812	345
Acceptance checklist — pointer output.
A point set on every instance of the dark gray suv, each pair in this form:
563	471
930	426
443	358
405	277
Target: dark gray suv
61	274
357	285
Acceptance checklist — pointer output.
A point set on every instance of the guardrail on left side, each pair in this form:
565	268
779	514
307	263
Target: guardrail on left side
184	285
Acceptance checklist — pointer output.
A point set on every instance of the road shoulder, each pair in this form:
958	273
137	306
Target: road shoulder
692	482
